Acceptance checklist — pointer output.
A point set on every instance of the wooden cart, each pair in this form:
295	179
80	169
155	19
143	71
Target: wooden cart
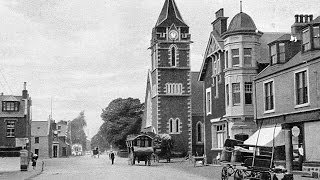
139	148
249	162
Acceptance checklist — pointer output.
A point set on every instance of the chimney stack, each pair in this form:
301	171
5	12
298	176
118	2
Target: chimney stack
25	94
300	22
220	23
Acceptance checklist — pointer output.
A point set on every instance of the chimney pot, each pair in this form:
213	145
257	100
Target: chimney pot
306	18
311	17
301	18
25	86
296	18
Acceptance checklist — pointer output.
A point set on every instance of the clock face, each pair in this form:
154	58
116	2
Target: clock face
173	35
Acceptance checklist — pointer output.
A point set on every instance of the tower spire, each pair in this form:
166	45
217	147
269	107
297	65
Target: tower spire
241	6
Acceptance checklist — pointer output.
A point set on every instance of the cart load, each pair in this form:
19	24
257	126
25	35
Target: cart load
162	145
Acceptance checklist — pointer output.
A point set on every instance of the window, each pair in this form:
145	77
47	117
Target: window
36	151
174	125
236	93
174	88
221	130
177	125
301	87
173	56
248	92
10	106
274	54
247	55
282	53
199	132
227	60
316	37
268	90
171	125
227	94
306	40
208	101
235	57
36	140
10	129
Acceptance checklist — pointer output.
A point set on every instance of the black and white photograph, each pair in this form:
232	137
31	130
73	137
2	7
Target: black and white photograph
159	89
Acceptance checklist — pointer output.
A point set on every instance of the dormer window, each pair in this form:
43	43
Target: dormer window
278	53
10	106
311	38
306	40
282	52
316	37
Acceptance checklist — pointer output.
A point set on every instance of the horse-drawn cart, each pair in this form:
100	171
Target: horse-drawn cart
139	148
248	161
162	146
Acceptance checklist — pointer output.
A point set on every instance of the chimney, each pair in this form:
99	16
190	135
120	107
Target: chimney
311	17
220	23
25	91
300	22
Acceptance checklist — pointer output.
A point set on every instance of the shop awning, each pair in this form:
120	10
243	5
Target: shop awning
268	136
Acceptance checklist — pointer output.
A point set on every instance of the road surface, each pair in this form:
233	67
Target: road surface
86	167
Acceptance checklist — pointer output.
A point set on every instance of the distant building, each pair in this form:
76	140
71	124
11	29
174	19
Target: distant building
60	145
41	138
15	122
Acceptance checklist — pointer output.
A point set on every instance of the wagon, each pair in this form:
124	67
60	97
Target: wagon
139	148
247	161
162	145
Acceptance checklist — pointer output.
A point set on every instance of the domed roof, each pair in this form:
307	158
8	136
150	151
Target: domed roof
241	22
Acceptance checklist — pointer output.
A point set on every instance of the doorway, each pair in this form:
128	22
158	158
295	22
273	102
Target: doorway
55	151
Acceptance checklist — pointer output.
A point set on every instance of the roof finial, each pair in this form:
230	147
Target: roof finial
240	6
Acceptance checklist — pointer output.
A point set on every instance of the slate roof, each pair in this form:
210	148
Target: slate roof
39	128
298	59
265	39
170	15
196	94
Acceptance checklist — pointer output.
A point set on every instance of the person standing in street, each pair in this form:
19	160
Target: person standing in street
34	161
111	155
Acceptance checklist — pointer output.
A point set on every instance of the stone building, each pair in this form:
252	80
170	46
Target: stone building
41	139
288	95
168	99
233	57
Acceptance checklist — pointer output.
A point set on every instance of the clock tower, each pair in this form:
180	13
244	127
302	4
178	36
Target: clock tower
169	78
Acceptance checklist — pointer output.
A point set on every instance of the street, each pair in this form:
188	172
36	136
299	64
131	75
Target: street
86	167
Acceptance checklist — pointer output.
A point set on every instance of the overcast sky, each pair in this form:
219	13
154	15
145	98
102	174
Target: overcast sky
85	53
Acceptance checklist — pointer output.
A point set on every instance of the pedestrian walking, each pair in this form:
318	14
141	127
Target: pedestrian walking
111	156
34	161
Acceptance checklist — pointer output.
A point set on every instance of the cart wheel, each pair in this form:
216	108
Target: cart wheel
224	173
238	175
265	176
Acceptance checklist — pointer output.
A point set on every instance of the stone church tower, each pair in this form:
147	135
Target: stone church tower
168	96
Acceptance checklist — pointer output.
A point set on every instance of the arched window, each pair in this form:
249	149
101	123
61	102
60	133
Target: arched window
177	125
199	132
171	125
173	56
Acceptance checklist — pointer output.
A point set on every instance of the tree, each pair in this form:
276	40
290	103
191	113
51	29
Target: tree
76	129
121	118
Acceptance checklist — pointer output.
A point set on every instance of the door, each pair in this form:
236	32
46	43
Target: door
36	151
55	151
64	151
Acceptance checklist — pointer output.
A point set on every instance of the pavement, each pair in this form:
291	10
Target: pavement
10	169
